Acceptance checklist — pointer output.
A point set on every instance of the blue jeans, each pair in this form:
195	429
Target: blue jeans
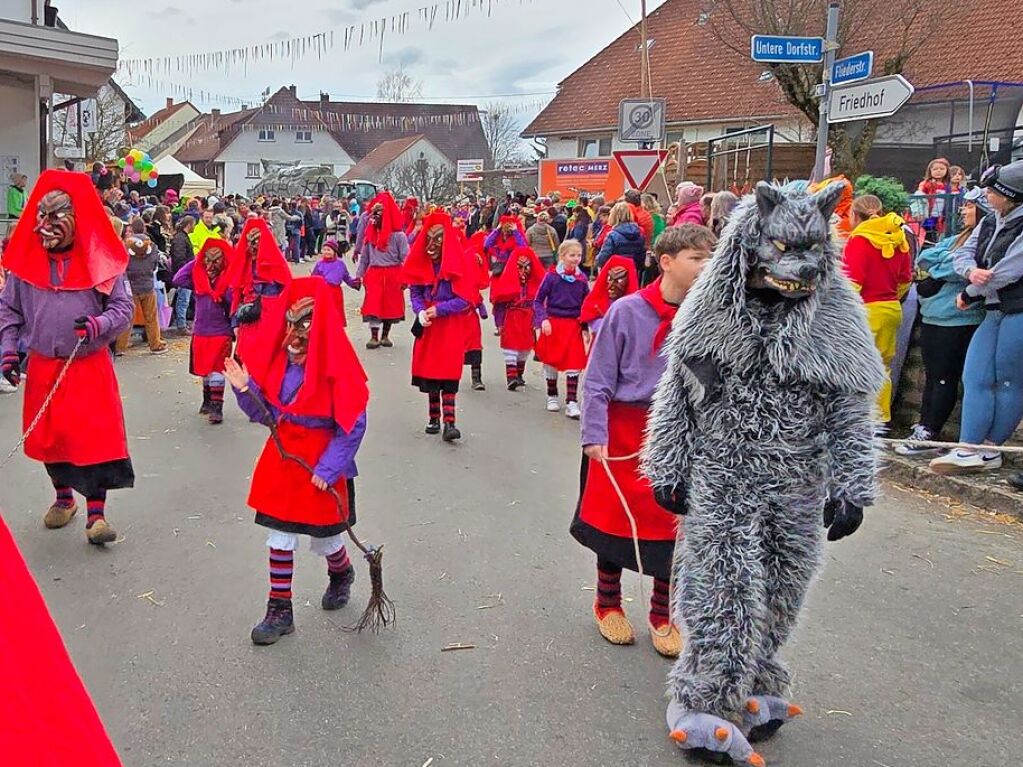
993	380
181	299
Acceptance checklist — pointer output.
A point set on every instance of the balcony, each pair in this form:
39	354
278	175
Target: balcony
78	64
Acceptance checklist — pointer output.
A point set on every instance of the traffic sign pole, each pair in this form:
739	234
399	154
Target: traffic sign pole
830	48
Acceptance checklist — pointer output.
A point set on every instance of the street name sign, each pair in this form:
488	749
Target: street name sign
772	49
870	99
639	166
852	69
641	120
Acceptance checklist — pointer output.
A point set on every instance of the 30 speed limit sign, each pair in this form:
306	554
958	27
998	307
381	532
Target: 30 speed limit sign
641	120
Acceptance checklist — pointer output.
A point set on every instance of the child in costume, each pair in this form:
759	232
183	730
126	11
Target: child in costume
313	388
66	295
563	337
616	279
513	294
443	287
381	249
212	335
332	267
500	243
624	368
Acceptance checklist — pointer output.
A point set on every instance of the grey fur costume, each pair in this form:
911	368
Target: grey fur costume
762	414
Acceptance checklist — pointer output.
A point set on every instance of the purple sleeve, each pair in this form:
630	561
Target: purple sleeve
116	317
338	459
318	271
249	401
401	241
481	309
453	305
601	381
540	302
491	239
417	295
520	238
183	278
348	279
363	263
11	317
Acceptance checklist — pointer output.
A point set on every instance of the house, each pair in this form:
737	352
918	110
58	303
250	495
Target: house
165	131
393	162
712	90
233	147
39	60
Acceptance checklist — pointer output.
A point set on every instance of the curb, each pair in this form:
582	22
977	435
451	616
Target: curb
988	491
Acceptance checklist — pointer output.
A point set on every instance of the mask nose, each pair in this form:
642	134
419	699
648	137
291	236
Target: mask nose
809	272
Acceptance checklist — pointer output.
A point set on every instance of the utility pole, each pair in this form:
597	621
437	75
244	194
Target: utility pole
644	54
824	89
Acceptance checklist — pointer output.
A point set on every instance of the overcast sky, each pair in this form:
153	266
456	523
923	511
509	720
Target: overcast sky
524	47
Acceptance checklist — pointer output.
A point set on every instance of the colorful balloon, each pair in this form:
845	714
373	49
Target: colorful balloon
151	183
121	163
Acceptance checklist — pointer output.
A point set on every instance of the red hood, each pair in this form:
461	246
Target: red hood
390	221
507	287
598	301
201	278
270	263
457	262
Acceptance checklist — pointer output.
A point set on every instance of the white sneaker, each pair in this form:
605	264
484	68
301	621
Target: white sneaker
922	433
553	406
5	387
966	462
572	410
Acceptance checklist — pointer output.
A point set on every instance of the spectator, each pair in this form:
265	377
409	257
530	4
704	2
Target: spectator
705	203
643	219
544	241
957	181
721	207
991	260
16	195
878	261
600	227
624	239
936	186
688	209
558	218
581	233
945	331
180	254
141	276
205	228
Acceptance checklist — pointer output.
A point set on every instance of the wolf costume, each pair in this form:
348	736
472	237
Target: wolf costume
761	423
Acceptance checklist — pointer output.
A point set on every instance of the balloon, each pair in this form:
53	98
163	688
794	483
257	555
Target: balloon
151	183
121	163
129	160
136	155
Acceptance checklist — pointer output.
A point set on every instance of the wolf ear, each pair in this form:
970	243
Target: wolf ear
769	197
827	199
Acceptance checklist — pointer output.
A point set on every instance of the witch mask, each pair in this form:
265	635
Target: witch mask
434	242
213	259
55	221
296	339
617	281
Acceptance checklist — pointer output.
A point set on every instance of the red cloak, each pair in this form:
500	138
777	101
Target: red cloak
201	277
271	265
96	259
506	288
48	718
599	301
390	221
457	264
408	214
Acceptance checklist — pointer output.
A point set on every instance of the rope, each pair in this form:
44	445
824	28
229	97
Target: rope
635	539
45	405
952	445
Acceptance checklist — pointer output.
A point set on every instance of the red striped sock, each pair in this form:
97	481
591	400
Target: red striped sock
511	370
552	387
282	570
609	588
522	368
96	506
434	406
216	393
572	388
65	498
660	613
449	407
338	562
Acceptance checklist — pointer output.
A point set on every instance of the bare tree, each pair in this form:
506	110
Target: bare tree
110	127
422	178
501	128
895	28
398	86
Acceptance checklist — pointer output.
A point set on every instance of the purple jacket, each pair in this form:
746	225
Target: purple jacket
397	250
43	321
338	459
622	366
444	299
557	297
335	272
212	318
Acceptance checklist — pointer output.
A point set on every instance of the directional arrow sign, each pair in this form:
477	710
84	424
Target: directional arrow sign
639	166
852	69
881	97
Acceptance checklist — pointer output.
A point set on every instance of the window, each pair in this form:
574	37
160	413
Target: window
266	134
595	147
304	137
252	170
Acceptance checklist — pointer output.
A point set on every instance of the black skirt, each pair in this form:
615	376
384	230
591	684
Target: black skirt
314	531
94	479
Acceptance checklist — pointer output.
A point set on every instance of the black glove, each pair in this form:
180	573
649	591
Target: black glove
249	313
671	499
10	367
842	518
87	328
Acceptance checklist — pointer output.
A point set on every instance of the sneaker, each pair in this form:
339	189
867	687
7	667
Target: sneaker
432	426
161	349
553	406
6	387
572	410
966	462
923	434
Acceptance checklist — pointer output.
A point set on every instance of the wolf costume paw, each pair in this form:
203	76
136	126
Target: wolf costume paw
765	714
710	738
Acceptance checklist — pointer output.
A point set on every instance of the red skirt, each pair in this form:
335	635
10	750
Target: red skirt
83	424
517	333
474	341
563	349
600	507
439	353
384	299
282	492
208	354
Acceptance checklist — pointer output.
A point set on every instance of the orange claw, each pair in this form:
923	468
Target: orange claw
757	760
795	710
752	706
679	736
721	733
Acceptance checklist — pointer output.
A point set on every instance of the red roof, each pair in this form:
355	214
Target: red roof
145	127
704	80
376	162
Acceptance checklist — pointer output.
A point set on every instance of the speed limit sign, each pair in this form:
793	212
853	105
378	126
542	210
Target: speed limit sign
641	120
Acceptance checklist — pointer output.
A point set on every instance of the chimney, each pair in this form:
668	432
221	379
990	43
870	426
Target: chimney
244	107
215	113
170	102
293	90
324	100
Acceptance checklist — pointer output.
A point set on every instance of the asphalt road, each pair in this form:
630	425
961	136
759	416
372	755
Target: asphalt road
910	650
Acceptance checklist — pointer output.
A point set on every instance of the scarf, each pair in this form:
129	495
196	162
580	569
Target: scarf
885	233
665	312
565	275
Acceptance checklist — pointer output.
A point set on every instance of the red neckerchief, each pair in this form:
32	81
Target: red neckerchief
665	311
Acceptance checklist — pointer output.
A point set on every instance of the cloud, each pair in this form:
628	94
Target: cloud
406	58
279	35
338	17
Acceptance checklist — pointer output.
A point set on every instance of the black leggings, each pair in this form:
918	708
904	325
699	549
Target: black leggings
944	352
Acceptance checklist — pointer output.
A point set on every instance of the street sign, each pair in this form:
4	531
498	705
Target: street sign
772	49
469	170
852	69
89	118
641	120
880	97
639	166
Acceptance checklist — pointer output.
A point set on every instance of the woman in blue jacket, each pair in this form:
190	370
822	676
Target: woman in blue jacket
624	239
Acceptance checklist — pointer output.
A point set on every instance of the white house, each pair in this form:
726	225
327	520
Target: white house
165	131
392	160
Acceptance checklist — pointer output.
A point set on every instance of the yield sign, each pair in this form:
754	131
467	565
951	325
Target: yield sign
639	166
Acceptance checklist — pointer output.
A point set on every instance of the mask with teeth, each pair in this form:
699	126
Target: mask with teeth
55	221
435	242
214	262
252	243
617	282
296	339
525	268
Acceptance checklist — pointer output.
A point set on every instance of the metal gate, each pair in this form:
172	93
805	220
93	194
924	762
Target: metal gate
737	160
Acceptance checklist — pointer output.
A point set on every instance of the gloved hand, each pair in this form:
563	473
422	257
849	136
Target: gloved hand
842	518
10	368
87	328
248	313
672	499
